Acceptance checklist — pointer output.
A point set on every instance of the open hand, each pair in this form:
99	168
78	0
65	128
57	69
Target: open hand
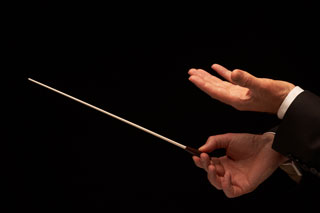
242	90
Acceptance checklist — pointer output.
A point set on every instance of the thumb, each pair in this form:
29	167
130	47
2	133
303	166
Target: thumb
216	142
244	79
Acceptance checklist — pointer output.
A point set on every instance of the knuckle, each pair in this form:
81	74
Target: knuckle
229	134
236	70
235	74
210	139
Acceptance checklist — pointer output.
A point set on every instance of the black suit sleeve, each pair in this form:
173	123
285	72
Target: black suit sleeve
298	135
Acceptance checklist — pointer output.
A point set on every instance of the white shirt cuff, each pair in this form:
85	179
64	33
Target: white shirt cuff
288	100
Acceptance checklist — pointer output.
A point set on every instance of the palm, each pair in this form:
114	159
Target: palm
239	171
244	161
236	92
253	94
223	91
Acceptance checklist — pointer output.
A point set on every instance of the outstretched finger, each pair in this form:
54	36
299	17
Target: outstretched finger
222	71
216	89
204	75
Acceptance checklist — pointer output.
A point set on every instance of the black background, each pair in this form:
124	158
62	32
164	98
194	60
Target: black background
67	156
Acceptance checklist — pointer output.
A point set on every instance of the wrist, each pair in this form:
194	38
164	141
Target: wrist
279	158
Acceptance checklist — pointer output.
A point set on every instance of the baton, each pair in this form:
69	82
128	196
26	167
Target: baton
191	150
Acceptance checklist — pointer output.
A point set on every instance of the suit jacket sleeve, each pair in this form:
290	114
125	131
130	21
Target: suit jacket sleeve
298	135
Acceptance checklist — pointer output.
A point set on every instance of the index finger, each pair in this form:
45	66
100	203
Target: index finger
224	72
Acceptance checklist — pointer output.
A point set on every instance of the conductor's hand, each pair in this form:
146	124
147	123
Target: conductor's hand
248	162
242	90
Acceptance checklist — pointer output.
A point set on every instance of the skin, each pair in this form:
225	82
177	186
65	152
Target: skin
249	159
242	90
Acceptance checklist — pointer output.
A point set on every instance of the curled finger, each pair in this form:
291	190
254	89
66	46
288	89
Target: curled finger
205	161
219	167
197	161
213	177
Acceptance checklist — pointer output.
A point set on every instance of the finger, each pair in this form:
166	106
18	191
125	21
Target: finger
224	72
197	161
205	161
226	185
230	190
204	75
204	85
219	167
213	177
198	81
216	142
245	79
214	87
215	90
